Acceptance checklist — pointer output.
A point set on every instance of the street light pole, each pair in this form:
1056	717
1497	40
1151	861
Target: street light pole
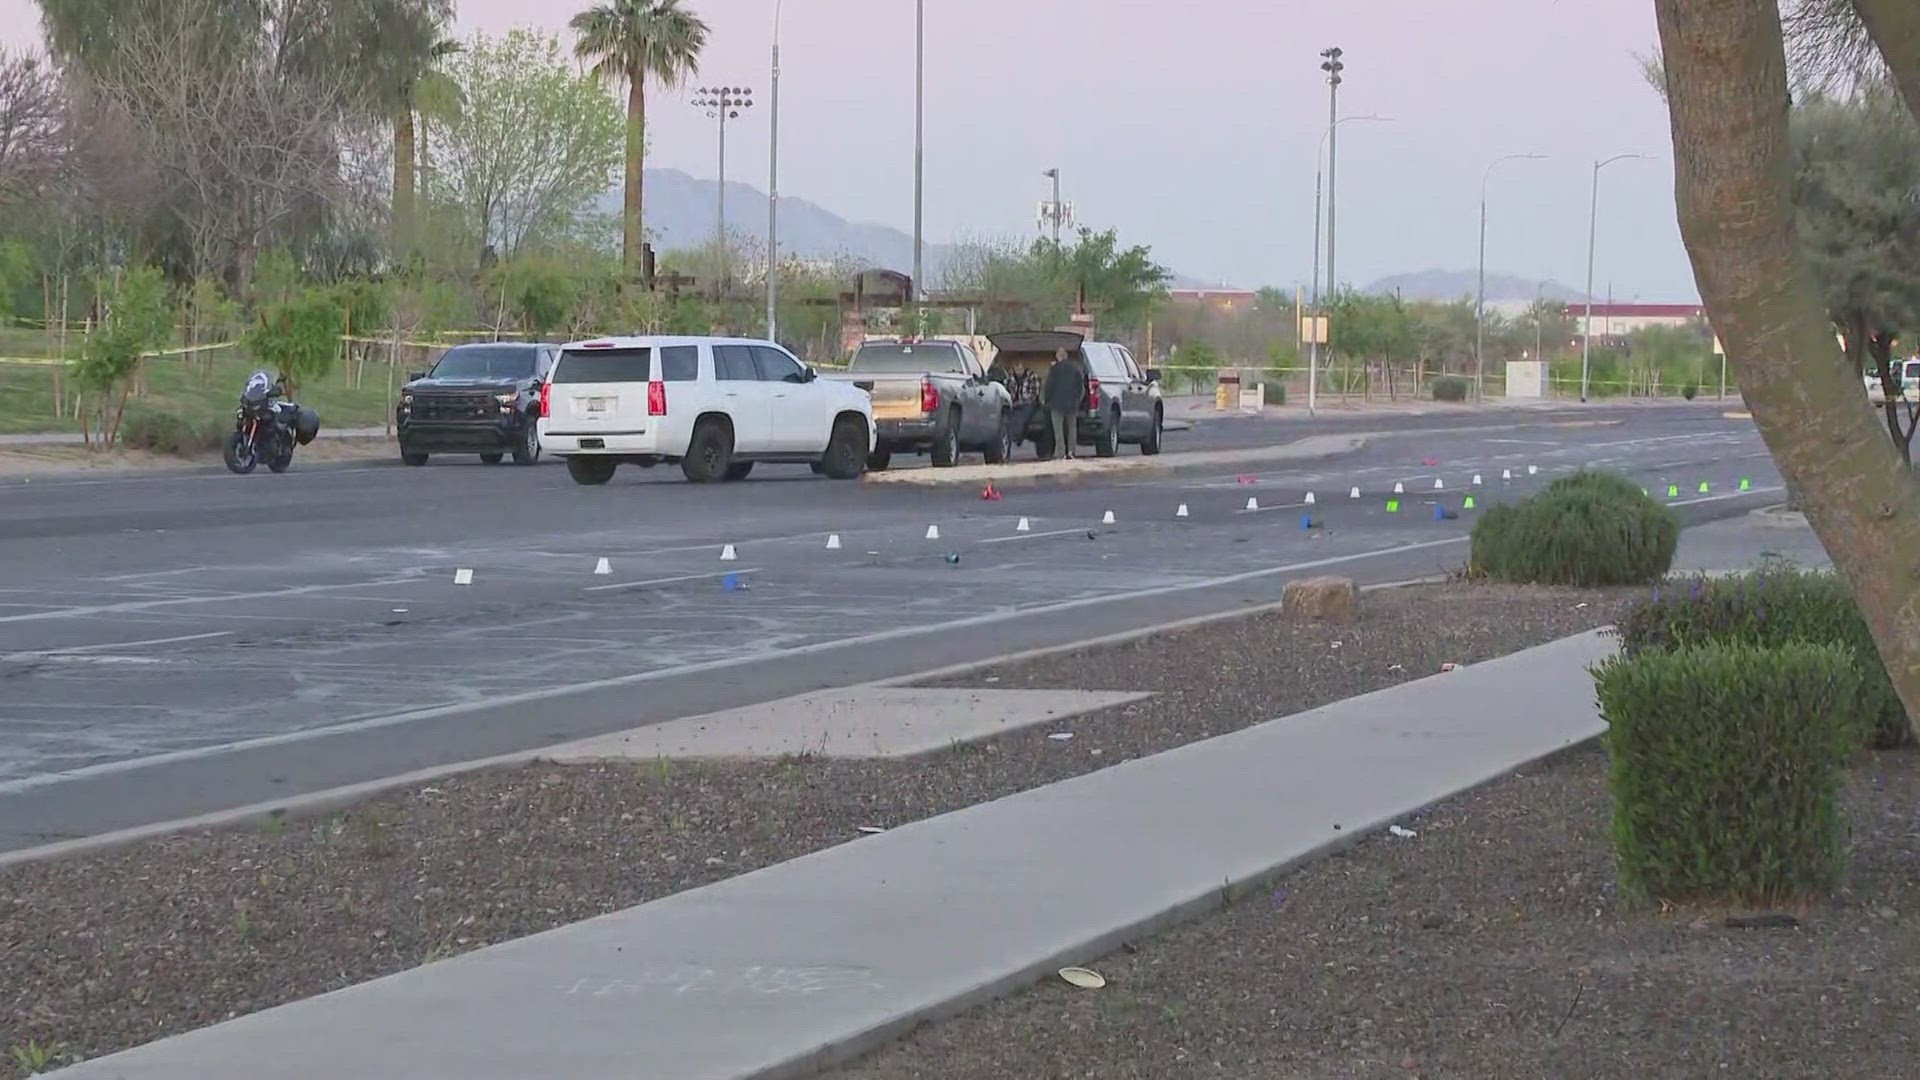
1313	344
1480	296
1054	211
1593	233
919	132
725	103
773	190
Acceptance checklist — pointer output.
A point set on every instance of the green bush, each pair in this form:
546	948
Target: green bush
1450	388
1690	391
166	433
1590	530
1276	393
1772	606
1726	769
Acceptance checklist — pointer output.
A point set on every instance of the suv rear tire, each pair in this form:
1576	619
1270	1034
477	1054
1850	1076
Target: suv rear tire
739	470
492	459
709	453
846	456
879	460
591	471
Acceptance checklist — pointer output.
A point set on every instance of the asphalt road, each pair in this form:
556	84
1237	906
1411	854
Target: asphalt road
172	645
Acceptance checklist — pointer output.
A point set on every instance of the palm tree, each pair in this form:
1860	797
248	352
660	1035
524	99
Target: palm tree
400	43
631	41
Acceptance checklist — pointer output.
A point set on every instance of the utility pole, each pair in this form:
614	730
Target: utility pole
1329	63
1593	233
723	103
1480	296
1054	209
773	190
919	135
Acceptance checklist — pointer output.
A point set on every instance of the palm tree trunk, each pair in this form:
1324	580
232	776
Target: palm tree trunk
403	172
632	238
420	193
1894	26
1728	99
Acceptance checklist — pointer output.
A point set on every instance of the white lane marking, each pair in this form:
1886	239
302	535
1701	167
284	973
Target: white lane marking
77	649
1032	536
668	580
156	573
453	709
176	601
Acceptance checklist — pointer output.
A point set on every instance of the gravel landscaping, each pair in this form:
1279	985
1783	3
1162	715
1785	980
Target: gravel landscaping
105	951
1491	944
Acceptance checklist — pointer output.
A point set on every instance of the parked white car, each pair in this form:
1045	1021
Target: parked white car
716	406
1909	384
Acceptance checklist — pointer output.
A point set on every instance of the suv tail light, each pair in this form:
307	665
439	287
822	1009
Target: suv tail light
929	397
1093	395
546	399
656	398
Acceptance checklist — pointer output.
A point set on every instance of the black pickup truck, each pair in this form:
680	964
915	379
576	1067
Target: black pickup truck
479	399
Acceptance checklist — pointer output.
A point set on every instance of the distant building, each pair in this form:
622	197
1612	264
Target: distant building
1224	298
1619	320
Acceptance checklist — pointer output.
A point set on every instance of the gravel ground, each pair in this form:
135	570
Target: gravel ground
105	951
1492	944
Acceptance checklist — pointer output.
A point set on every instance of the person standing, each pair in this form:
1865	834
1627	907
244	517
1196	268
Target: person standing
1064	395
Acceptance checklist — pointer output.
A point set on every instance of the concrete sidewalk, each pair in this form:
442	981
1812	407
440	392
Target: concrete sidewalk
817	959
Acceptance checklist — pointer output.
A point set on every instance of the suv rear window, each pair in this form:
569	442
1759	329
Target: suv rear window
604	366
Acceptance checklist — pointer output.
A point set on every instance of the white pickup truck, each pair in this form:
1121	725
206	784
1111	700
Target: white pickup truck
1909	384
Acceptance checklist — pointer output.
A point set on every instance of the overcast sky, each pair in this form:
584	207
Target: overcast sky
1192	126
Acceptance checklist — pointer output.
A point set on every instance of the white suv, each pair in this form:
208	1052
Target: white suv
715	405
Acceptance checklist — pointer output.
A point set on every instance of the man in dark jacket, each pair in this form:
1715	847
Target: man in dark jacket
1064	395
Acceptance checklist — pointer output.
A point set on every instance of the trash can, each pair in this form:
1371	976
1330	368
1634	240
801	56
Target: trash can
1226	394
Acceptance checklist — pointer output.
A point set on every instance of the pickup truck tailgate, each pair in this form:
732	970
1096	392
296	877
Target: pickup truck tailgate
895	397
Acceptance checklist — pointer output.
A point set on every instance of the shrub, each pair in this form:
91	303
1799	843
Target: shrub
1276	393
1772	606
1589	529
165	433
1726	769
1690	391
1450	388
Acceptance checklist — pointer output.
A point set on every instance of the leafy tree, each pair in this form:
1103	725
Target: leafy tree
1123	284
534	143
298	337
136	320
629	42
401	43
540	291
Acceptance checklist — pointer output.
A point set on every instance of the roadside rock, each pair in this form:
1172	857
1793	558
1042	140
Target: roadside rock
1322	598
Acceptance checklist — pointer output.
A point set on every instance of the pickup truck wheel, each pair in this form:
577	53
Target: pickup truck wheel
591	471
709	453
492	459
1001	448
946	444
739	470
1109	443
1151	444
526	449
846	450
879	460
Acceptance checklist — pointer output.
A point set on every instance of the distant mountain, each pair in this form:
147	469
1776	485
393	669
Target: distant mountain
681	210
1445	285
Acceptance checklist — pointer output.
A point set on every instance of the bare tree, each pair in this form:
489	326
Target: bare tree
241	145
32	136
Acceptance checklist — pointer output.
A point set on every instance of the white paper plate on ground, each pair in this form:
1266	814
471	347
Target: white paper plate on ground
1083	978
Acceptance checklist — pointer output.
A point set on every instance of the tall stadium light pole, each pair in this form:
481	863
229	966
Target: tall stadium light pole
1329	63
1593	234
725	103
1319	173
773	189
1054	211
1480	296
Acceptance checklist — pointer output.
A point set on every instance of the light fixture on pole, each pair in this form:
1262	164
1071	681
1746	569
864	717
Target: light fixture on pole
1480	295
1593	227
1313	345
723	103
1055	212
773	188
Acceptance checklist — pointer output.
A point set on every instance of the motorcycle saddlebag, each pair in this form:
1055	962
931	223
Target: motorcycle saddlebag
306	426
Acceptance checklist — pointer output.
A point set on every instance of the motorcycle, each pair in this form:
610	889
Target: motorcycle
267	428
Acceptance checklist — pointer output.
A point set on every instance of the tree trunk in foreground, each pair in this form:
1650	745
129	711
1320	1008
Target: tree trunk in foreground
1894	26
1728	99
632	235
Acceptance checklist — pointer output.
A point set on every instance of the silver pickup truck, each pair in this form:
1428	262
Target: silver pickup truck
930	397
